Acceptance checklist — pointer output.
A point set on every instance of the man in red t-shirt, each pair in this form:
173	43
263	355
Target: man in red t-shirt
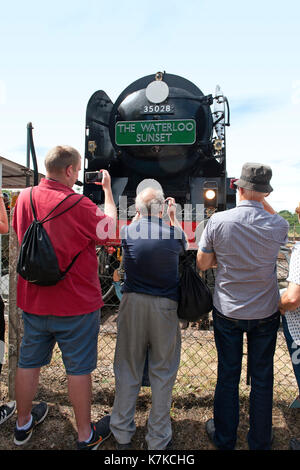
67	313
7	409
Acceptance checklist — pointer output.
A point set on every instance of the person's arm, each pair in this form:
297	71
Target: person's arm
136	217
267	207
284	226
106	227
205	260
290	299
3	216
206	257
171	211
109	204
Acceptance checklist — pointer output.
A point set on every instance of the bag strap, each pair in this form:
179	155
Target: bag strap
183	245
45	219
71	264
185	256
32	206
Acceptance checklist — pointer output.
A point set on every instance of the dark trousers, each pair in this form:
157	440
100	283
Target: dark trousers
261	337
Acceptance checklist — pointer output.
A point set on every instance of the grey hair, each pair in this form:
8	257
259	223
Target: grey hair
151	205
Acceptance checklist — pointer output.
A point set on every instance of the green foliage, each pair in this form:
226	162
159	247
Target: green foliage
292	220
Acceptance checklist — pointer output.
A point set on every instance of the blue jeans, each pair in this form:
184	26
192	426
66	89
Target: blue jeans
293	350
261	336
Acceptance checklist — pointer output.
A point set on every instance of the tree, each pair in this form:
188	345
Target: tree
292	220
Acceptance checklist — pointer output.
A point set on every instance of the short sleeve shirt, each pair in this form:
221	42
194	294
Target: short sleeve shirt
293	318
151	251
246	241
77	230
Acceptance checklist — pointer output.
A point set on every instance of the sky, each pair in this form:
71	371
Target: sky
55	55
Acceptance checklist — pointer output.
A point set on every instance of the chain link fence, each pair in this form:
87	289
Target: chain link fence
198	367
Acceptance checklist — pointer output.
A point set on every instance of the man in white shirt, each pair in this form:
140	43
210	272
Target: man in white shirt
289	307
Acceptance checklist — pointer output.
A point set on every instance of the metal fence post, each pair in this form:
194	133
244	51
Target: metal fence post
14	319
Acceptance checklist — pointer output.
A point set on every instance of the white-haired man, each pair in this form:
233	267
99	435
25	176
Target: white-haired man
148	320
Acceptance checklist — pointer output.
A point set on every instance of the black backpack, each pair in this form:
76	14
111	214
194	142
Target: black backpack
37	262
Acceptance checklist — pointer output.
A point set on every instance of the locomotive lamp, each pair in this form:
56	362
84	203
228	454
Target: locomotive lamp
157	91
210	194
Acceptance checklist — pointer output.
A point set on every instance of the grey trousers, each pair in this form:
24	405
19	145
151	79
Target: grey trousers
145	321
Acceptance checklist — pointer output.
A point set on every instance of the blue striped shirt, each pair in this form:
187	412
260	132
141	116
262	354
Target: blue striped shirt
246	241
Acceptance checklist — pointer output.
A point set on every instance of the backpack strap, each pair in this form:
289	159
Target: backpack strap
45	219
71	264
32	206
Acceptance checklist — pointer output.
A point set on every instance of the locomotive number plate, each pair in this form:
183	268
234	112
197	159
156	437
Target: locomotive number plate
158	109
175	132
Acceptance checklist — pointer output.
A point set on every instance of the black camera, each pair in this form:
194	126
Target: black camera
93	177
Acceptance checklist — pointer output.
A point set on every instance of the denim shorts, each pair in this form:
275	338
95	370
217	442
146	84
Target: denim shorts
76	336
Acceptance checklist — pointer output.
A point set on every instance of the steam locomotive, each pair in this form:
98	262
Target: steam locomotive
162	127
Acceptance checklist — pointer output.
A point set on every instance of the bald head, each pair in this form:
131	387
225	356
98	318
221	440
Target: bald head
150	201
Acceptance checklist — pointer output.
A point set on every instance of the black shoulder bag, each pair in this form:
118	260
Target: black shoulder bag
195	298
